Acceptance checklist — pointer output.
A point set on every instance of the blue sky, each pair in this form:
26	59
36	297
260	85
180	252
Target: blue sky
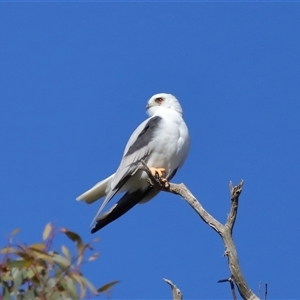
75	79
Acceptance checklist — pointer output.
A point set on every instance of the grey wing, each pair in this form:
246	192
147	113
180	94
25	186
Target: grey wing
136	149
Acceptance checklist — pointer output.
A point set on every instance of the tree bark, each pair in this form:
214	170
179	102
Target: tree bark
224	230
176	293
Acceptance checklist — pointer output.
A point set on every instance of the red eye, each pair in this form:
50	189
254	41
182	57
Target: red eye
159	100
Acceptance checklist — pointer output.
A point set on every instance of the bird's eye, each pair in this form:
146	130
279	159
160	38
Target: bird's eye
159	100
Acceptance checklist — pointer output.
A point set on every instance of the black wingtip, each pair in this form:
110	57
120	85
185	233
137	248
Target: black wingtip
95	229
123	205
102	222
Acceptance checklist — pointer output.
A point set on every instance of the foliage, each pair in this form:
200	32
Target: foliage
41	273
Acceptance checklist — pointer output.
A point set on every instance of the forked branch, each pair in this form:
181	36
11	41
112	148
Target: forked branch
224	230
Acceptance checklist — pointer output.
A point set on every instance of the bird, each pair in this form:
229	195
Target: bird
162	142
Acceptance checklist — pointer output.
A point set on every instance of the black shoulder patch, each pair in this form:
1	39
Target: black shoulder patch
145	137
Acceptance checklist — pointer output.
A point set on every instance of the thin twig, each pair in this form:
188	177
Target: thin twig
231	282
176	293
266	290
235	192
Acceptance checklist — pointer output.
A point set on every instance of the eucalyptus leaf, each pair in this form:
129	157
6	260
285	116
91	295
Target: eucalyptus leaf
60	260
18	280
29	295
66	252
39	246
15	231
89	285
6	250
75	238
17	263
71	287
108	286
6	294
47	231
78	279
6	277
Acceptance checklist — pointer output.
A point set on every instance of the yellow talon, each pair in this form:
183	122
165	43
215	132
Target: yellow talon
164	181
158	171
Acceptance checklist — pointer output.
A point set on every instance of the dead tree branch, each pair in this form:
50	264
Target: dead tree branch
231	282
176	293
266	290
225	231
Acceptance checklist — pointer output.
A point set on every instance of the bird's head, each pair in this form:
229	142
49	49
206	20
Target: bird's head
163	100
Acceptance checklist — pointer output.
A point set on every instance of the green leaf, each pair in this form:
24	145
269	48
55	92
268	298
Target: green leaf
93	257
6	294
42	255
49	284
71	287
47	231
6	250
108	286
15	231
78	279
40	247
29	295
60	260
29	273
18	275
89	285
18	263
66	252
6	278
56	296
75	238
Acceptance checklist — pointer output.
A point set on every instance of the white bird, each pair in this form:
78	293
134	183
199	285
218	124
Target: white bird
162	142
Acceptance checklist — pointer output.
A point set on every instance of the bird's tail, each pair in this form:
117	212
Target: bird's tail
128	201
96	192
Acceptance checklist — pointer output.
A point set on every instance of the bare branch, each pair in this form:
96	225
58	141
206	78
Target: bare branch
231	282
266	290
225	231
235	269
185	193
176	293
234	195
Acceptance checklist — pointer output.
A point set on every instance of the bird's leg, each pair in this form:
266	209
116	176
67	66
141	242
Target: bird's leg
158	173
155	174
164	181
